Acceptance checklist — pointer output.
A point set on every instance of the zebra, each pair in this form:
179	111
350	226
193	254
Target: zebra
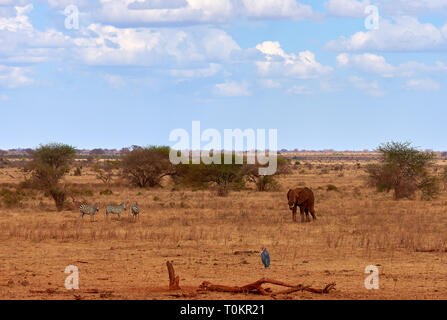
134	210
90	210
116	210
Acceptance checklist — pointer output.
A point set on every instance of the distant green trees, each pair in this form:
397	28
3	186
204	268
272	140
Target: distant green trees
226	177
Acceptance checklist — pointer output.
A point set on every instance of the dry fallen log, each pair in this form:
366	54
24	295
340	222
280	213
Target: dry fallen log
256	288
173	280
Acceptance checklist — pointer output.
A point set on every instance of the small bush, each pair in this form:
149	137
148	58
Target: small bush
331	187
12	199
267	183
222	191
82	192
156	198
77	172
106	192
430	188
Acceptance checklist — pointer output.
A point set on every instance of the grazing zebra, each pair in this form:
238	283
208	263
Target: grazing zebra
134	210
116	210
90	210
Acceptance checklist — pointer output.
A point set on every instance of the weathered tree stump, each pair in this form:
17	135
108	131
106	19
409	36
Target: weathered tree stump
173	280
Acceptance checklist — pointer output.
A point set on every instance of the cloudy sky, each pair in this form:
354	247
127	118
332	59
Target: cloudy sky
135	70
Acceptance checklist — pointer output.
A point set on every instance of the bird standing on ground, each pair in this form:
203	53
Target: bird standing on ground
265	257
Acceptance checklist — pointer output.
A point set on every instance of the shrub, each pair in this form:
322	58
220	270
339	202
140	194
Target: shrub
331	187
404	170
77	172
104	171
106	192
267	183
82	192
12	199
444	177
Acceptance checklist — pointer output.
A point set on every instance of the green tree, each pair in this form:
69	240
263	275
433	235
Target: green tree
48	165
225	176
267	182
145	167
405	170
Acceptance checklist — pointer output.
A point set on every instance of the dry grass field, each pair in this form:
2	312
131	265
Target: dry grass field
203	234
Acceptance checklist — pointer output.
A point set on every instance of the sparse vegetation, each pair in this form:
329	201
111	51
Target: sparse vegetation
355	225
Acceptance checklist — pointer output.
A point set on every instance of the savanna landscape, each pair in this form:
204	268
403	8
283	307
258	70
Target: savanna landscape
217	237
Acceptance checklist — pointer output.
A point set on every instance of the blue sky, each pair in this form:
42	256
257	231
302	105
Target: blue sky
137	69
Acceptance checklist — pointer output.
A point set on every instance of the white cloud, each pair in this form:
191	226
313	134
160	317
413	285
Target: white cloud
20	42
347	8
290	9
175	12
355	8
14	2
232	89
405	34
413	7
171	48
299	90
269	83
422	85
14	77
372	88
277	63
157	4
209	71
375	64
114	80
367	62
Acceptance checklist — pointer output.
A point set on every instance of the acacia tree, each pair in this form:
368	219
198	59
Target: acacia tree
403	169
266	182
145	167
104	171
224	176
48	165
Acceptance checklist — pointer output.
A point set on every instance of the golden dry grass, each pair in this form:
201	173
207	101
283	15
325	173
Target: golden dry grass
200	232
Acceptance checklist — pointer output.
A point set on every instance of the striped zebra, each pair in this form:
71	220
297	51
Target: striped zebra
90	210
134	210
115	210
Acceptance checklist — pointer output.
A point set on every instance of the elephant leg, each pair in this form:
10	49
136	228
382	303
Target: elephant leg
307	215
312	212
302	214
294	214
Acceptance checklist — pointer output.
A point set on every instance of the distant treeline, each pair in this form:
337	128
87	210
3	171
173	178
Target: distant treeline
299	155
